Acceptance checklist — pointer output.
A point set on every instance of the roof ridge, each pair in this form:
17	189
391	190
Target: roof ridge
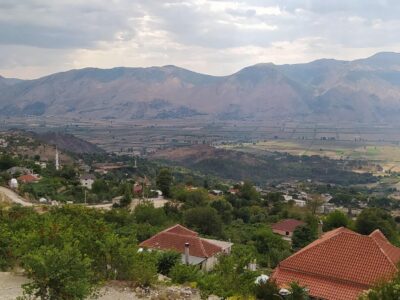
384	253
330	278
179	225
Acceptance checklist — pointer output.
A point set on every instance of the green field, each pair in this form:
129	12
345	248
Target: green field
385	154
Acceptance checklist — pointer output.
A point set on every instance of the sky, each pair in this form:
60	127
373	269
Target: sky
40	37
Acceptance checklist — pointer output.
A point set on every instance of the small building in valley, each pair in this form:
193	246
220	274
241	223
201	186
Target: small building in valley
286	228
28	178
195	250
340	265
87	180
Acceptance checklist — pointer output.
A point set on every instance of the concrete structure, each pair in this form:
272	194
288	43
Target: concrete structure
13	183
195	250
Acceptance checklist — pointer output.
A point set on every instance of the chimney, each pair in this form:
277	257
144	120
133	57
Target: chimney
320	224
187	253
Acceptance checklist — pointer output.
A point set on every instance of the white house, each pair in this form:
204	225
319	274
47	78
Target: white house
87	180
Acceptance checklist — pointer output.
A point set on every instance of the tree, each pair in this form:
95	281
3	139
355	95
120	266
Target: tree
267	290
297	292
376	218
205	219
147	213
314	203
302	236
58	274
166	261
248	192
127	197
164	181
271	246
224	209
335	219
182	273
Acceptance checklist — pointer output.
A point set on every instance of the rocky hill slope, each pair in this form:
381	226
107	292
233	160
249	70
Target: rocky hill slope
364	90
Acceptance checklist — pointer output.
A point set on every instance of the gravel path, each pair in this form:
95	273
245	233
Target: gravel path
7	194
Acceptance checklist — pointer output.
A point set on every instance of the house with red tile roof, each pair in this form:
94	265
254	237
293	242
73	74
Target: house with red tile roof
28	178
194	249
340	265
286	228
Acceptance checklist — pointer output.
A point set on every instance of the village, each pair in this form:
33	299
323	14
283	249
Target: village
287	238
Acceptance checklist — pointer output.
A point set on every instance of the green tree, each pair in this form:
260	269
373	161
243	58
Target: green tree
272	247
127	197
58	274
248	192
164	182
205	219
147	213
183	274
267	290
297	292
166	261
376	218
335	219
224	209
302	236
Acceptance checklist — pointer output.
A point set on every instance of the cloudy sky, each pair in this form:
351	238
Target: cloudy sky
39	37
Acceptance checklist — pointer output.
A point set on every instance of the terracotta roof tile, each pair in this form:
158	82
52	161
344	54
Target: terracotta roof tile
28	178
340	260
287	225
170	240
179	229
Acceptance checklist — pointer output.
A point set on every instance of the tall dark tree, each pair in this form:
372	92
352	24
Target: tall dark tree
164	181
376	218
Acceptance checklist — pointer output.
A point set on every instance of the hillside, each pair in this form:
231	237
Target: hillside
67	142
261	169
364	90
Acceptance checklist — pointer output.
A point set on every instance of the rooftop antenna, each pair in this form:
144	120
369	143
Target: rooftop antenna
57	160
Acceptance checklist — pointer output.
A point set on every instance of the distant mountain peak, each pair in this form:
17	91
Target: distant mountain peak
366	90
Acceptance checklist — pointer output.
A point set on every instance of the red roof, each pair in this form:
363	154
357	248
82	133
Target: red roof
341	264
287	225
174	238
28	178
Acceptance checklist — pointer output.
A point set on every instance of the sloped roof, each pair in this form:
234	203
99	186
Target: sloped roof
28	178
341	264
174	238
287	225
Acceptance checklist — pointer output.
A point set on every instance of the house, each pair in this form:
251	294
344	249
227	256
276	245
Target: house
87	180
340	265
286	228
195	250
28	178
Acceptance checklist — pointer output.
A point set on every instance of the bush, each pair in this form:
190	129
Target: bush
166	261
183	273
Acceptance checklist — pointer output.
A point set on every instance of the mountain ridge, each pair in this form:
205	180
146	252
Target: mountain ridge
363	90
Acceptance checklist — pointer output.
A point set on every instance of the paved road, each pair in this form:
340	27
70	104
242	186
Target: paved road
7	194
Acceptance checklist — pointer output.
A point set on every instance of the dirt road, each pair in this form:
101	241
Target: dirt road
9	195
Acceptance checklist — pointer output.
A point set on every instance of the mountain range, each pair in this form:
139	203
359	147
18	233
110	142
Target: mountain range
363	90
